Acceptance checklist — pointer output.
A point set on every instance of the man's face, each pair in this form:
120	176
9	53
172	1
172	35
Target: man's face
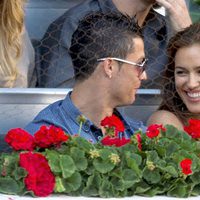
128	78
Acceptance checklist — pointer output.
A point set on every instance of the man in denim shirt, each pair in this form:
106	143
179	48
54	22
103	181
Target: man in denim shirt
108	71
55	68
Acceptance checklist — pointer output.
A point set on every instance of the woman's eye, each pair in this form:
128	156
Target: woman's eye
180	72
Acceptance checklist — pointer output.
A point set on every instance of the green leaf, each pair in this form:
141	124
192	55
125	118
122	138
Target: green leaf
195	178
69	184
19	173
92	185
171	148
59	186
67	165
72	183
105	153
9	186
141	187
129	178
154	191
176	134
103	163
53	160
196	190
106	189
152	156
79	158
151	176
82	143
171	171
133	161
103	166
10	162
180	190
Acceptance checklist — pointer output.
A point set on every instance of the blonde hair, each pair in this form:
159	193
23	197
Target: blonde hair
11	27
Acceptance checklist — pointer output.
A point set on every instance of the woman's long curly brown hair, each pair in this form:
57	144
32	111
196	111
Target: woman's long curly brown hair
11	27
171	100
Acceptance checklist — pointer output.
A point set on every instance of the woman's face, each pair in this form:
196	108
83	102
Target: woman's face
187	76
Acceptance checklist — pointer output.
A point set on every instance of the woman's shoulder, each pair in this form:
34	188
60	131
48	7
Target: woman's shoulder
165	117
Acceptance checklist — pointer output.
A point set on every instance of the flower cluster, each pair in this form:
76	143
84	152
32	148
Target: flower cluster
163	161
46	137
114	126
39	178
193	128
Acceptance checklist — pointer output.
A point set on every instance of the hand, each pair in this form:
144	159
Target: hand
178	13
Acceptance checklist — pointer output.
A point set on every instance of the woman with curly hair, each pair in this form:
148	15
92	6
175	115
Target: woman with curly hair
16	51
181	94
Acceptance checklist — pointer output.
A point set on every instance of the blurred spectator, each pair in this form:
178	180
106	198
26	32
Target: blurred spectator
16	51
56	69
181	94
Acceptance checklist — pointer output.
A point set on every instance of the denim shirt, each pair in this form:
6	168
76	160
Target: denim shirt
64	114
54	67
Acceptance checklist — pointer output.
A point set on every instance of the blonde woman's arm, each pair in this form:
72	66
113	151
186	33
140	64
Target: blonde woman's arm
165	117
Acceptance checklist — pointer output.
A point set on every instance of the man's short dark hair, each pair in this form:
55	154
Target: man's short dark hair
101	35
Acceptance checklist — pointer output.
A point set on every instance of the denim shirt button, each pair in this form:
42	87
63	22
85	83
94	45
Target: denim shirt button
99	137
86	127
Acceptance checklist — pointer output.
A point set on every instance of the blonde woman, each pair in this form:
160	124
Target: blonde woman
16	51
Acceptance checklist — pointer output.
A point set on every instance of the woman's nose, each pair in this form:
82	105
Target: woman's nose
193	81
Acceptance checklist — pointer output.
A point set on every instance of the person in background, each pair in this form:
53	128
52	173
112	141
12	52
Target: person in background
56	68
16	51
181	94
108	71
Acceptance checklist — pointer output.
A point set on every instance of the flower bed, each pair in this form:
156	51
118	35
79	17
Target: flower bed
163	161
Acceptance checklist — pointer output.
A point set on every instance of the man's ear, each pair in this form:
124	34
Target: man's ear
108	67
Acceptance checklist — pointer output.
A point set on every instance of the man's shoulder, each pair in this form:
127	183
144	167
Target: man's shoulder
50	112
48	116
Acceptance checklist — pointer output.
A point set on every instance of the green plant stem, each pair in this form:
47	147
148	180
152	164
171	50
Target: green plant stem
80	127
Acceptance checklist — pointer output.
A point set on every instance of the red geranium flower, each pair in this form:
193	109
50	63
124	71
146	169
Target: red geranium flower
193	129
118	142
154	130
186	166
19	139
48	136
113	122
40	179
